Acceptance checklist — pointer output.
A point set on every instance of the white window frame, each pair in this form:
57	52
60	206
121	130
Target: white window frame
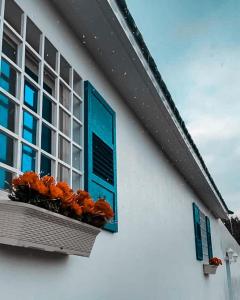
19	101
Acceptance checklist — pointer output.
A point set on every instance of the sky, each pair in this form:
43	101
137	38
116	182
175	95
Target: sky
196	46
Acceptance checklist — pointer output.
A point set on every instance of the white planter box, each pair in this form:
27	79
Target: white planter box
26	225
209	269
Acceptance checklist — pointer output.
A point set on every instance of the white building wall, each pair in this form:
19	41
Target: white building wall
153	254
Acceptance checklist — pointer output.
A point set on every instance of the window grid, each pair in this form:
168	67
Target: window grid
24	46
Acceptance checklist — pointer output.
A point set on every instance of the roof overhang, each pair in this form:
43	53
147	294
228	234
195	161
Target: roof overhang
100	25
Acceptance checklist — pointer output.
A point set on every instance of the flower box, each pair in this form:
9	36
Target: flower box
209	269
29	226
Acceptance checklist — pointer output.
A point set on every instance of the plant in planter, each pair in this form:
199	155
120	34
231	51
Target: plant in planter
211	268
58	197
48	215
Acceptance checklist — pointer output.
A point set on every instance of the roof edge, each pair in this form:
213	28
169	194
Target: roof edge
148	57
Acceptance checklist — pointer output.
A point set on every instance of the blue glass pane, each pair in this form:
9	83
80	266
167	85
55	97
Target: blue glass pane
47	109
28	158
29	127
5	68
7	77
45	166
46	139
7	112
6	153
30	96
5	178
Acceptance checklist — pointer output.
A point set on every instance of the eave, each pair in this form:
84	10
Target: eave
105	30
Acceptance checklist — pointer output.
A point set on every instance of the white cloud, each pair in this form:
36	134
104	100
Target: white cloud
209	100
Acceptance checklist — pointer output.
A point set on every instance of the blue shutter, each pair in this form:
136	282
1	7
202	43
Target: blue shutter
100	150
209	239
197	230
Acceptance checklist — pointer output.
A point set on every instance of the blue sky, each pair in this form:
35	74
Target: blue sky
196	45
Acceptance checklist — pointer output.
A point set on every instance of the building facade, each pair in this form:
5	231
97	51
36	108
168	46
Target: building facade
79	100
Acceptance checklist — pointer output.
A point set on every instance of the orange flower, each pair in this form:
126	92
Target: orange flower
48	180
77	209
215	261
67	199
87	205
55	192
40	187
64	187
102	207
16	181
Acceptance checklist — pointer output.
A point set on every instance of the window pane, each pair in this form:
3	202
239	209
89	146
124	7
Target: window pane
64	122
77	83
8	78
6	153
47	109
63	173
63	149
13	15
64	96
9	48
46	166
50	53
30	96
7	112
33	35
76	132
76	181
76	158
77	108
46	142
5	178
28	158
29	127
31	66
64	69
49	82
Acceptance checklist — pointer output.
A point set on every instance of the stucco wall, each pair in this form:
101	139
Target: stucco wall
153	254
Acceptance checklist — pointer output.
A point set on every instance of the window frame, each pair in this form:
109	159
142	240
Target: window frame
202	234
18	100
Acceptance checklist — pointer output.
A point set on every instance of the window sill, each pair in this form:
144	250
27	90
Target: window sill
25	225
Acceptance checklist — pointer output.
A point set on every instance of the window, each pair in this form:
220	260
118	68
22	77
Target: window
8	77
40	130
100	141
202	231
7	112
30	96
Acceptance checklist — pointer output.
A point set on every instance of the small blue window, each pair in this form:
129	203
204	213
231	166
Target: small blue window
30	96
8	78
46	139
202	231
28	158
6	153
29	127
7	112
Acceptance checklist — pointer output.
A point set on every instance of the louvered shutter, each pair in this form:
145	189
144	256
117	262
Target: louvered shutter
209	239
197	230
100	150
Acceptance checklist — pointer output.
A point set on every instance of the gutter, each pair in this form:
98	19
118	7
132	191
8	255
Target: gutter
152	65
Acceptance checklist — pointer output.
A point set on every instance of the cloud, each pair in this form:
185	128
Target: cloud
206	89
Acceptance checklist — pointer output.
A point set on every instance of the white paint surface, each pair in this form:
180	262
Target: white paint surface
153	254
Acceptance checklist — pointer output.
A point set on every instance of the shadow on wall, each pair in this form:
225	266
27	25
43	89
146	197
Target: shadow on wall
31	256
